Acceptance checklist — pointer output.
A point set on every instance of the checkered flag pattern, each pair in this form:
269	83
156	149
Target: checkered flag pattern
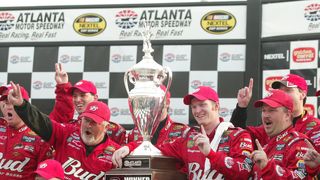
297	57
217	66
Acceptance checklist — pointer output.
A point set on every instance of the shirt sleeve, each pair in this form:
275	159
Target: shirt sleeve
117	133
45	151
35	120
237	161
173	149
293	169
63	109
239	117
314	135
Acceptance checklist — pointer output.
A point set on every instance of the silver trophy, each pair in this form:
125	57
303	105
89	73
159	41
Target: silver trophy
146	98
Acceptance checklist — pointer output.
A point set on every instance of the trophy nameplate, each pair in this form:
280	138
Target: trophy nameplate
147	168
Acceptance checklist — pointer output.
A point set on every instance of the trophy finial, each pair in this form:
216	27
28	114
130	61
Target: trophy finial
146	34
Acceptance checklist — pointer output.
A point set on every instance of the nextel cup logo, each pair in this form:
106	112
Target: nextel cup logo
218	22
89	24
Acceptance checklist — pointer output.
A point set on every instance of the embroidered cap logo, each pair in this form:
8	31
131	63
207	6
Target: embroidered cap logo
79	83
288	83
93	108
44	165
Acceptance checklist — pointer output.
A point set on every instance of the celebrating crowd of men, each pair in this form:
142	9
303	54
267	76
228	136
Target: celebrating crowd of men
285	146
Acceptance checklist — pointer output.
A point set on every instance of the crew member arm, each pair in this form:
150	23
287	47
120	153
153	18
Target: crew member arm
35	120
239	117
63	109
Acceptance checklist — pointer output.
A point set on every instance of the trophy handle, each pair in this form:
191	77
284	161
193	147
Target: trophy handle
125	79
168	70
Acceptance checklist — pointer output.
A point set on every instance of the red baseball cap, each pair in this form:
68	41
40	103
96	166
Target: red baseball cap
202	93
97	111
4	90
168	93
50	169
291	80
84	86
276	98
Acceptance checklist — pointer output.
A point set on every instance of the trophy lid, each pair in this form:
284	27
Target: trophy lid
147	67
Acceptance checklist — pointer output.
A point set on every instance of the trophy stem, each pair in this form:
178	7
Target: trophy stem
146	137
146	148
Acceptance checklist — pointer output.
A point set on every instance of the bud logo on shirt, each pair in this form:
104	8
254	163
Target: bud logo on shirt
74	167
13	165
196	172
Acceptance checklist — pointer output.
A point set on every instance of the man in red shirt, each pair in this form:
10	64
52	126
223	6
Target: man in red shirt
84	152
303	122
220	151
20	148
282	156
82	93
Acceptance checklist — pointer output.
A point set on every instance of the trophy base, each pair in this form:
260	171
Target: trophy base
146	148
147	168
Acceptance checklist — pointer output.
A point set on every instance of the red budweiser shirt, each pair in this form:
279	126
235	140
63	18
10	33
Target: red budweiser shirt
20	152
117	133
71	152
169	132
230	160
63	111
285	153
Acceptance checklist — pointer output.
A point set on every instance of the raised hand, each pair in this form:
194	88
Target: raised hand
14	95
245	94
118	155
259	156
311	157
61	76
202	141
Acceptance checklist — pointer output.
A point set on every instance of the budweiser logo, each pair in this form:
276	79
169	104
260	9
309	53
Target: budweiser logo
13	165
196	172
73	167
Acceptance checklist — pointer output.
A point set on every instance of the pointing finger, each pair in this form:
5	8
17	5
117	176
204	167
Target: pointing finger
259	145
250	84
202	130
309	144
